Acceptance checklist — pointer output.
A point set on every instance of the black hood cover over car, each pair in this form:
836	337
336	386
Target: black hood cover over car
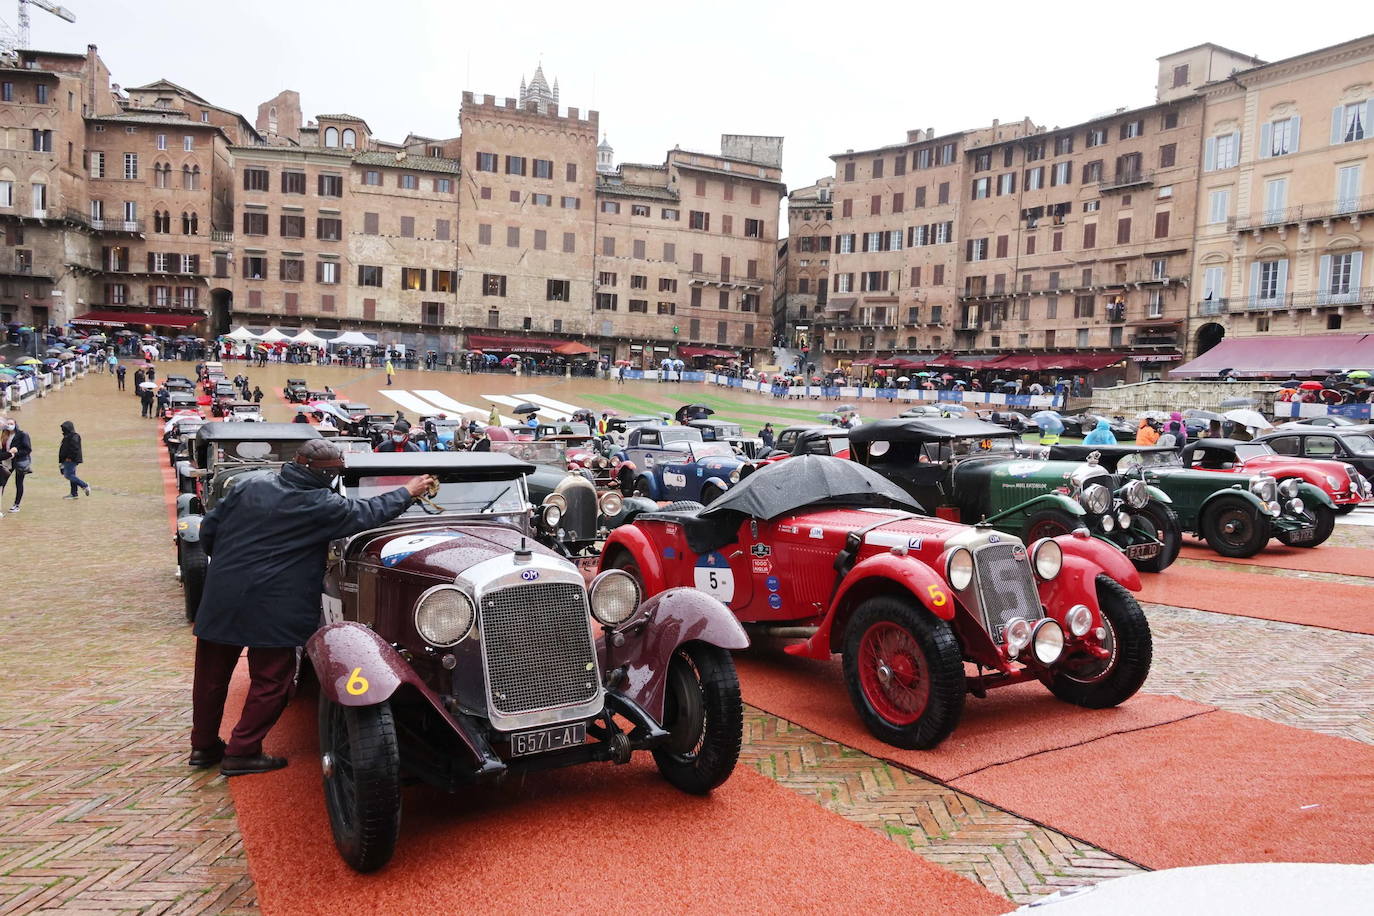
807	480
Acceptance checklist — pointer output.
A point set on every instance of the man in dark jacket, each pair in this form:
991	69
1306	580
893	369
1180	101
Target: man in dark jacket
398	440
267	539
69	456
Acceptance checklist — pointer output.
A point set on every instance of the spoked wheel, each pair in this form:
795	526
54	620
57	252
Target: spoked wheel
362	781
703	711
1097	683
1234	528
195	565
1050	523
1325	520
1158	521
904	671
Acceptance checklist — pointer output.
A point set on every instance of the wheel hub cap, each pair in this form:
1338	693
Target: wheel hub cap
327	764
884	674
1230	527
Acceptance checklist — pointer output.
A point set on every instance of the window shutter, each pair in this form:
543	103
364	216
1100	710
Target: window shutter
360	275
968	250
1356	267
192	262
150	262
1235	149
1323	276
1294	143
1254	281
1266	140
1282	288
1209	155
319	271
1337	122
1368	117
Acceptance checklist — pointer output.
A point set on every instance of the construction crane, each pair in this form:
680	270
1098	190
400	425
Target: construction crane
18	39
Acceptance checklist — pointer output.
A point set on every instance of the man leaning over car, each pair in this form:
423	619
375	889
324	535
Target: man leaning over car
268	539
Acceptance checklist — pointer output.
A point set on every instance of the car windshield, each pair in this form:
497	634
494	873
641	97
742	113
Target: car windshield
536	452
681	434
1249	450
573	429
1360	445
255	450
468	497
1132	460
983	446
710	450
827	445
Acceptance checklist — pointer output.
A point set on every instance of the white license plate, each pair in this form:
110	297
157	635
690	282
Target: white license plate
542	740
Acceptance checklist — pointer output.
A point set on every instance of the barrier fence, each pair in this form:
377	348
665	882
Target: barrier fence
16	393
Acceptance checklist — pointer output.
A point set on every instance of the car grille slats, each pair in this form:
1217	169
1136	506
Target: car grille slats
1006	587
538	647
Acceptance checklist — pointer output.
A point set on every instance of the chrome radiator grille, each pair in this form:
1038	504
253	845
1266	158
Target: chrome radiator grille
538	647
1006	586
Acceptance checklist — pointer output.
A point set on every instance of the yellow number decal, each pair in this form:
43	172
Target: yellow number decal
357	684
937	597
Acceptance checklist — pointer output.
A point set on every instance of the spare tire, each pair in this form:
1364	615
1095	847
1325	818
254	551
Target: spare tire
683	505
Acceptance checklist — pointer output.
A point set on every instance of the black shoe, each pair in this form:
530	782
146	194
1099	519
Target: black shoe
206	757
243	766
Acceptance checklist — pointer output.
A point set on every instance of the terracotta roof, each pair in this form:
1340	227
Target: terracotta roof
341	117
156	84
743	176
636	190
412	163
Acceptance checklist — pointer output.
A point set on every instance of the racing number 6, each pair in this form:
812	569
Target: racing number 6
937	597
357	684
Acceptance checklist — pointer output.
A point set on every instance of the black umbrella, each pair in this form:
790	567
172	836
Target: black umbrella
526	408
805	480
1238	402
692	412
1195	413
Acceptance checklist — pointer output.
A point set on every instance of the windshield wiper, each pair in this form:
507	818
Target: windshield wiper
491	501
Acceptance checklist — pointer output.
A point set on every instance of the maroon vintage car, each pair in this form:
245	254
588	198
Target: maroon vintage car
455	649
832	553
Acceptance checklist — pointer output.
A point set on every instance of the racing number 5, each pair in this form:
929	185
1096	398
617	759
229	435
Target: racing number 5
937	596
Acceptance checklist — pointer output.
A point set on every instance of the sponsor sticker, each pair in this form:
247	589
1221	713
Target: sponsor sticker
1024	468
674	479
763	567
816	533
775	601
788	529
670	529
761	550
773	583
399	548
915	543
713	576
669	553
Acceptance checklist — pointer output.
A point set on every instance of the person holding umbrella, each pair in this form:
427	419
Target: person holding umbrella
145	397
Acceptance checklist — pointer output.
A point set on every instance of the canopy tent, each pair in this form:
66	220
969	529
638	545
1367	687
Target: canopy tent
353	339
688	352
242	335
1259	357
119	319
308	337
273	336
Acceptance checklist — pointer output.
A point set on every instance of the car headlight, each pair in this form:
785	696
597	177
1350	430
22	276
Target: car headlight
1095	498
444	615
1079	619
1018	635
1108	524
1273	508
734	476
611	503
1123	520
1136	494
1266	488
1047	557
959	569
1332	482
1289	488
614	596
1296	506
551	515
1048	642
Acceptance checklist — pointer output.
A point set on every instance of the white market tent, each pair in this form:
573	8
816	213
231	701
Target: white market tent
309	338
273	336
242	335
353	339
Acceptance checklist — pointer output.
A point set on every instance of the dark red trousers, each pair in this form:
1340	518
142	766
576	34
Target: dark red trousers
271	672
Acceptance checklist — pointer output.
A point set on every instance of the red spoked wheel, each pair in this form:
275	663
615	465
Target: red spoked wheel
893	673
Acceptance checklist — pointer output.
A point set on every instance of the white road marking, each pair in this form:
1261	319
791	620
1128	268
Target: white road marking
407	400
563	407
1361	517
449	405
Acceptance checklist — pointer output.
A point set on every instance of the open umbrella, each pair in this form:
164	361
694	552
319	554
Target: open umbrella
1152	415
844	408
1250	418
31	361
147	386
787	486
1196	413
903	378
1238	402
1358	373
827	417
526	408
925	374
1311	386
623	362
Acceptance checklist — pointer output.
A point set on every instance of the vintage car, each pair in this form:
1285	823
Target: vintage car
1344	486
935	411
225	395
618	428
219	456
444	434
830	552
180	401
178	383
455	650
1326	420
179	429
243	412
1013	420
643	446
320	394
807	440
732	434
1235	514
670	467
977	472
296	391
1352	444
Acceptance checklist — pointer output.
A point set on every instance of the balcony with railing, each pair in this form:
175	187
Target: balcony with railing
1209	308
1349	208
222	236
1130	178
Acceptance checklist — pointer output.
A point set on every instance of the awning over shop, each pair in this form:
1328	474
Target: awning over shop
837	306
119	319
547	345
1259	357
1068	362
687	352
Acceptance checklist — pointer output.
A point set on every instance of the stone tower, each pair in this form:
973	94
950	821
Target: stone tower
605	156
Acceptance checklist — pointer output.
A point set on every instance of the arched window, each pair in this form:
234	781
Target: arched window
162	174
185	223
331	136
350	139
195	224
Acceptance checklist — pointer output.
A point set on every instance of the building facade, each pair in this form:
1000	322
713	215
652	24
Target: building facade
804	257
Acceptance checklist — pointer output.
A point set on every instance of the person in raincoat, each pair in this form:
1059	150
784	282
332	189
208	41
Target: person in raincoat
493	418
1146	434
390	369
1100	434
1175	427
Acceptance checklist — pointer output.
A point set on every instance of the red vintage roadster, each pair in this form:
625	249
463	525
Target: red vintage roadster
829	552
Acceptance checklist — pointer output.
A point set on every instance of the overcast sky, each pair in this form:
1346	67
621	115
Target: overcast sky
826	76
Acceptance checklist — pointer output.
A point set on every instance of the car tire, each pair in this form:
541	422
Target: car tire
641	488
703	711
1094	684
710	493
1166	529
930	703
1346	508
1048	523
362	781
194	567
683	505
1325	518
1249	530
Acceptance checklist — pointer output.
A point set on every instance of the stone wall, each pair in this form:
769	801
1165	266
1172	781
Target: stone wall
1179	395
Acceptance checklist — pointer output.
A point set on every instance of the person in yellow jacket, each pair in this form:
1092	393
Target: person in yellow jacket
390	370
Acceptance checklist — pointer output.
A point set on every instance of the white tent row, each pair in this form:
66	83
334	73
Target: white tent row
310	338
354	339
242	335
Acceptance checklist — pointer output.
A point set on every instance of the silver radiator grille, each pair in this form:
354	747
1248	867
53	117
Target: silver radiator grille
1006	586
538	647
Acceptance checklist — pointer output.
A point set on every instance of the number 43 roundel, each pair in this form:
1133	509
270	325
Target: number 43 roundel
713	576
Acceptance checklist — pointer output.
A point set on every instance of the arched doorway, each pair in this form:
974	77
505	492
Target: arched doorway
1208	336
221	305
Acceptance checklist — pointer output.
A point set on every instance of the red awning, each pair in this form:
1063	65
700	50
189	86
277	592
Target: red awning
548	345
688	352
1258	357
119	319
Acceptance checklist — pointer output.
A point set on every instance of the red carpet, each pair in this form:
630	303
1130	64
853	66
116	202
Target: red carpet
1212	789
596	837
1332	605
1010	724
1349	561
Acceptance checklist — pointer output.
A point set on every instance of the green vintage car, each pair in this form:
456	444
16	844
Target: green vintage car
1237	514
976	472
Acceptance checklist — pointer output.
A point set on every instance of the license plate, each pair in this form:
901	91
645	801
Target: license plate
1302	534
542	740
584	563
1142	551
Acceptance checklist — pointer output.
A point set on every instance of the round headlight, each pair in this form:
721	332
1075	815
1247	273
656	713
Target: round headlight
1048	642
611	503
1135	493
1096	498
1273	508
614	597
1266	488
1079	619
1123	520
1018	635
1296	506
552	514
444	615
1048	558
959	569
557	499
734	476
1289	488
1108	524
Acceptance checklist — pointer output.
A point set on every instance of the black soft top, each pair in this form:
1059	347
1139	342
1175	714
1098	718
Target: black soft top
256	432
925	429
808	480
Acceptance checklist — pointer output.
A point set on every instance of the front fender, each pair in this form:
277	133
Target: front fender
1157	494
665	622
1057	501
630	507
188	527
189	504
1311	493
1242	492
1097	556
722	482
636	542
